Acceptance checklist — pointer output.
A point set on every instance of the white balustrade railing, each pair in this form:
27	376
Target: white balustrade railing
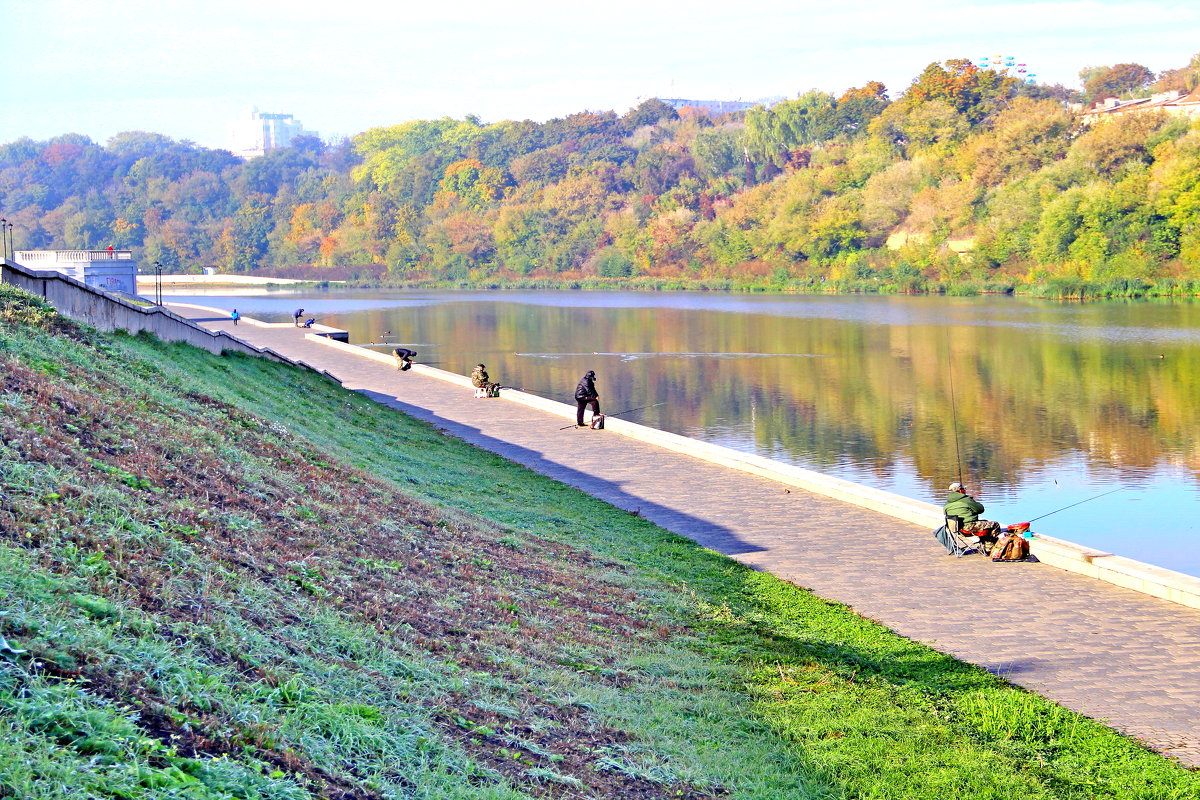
73	256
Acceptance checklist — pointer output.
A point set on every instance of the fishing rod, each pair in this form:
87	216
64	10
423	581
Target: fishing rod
953	408
631	410
1081	502
537	392
619	413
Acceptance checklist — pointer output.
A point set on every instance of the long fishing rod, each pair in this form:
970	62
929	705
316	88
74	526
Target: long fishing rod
1081	502
953	407
619	413
523	389
631	410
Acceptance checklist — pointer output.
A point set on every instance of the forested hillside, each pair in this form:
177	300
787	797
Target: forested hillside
969	179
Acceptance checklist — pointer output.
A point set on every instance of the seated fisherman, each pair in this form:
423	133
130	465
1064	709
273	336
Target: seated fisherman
967	509
481	380
404	358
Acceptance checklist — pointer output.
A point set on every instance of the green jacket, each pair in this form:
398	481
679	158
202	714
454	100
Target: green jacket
963	506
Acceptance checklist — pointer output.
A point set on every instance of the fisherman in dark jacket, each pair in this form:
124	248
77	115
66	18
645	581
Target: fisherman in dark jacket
586	395
404	358
967	509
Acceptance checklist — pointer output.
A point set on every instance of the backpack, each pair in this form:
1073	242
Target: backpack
1011	547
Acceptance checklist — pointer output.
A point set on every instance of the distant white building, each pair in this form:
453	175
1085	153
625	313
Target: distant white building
257	133
719	106
111	270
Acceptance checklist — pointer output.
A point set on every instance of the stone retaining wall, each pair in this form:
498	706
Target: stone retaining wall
109	312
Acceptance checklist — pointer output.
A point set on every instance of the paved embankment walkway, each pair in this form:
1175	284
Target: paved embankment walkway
1128	659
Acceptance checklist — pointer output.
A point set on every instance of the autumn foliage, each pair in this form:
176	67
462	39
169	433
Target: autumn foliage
966	175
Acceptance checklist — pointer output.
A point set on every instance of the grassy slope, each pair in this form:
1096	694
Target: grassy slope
235	579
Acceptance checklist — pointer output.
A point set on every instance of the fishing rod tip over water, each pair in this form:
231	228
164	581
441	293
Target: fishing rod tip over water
1081	502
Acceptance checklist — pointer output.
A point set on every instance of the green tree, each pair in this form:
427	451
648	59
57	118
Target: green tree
612	263
244	241
1024	137
1114	81
772	133
648	112
716	152
966	88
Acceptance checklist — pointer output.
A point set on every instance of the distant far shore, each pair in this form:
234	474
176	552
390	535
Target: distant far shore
220	280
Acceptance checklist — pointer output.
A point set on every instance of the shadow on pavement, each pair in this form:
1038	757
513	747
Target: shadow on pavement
708	534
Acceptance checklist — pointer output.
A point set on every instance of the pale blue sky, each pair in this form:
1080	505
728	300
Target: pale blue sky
185	68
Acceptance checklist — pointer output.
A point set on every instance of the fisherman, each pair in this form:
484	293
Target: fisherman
309	322
296	315
482	382
404	358
967	509
586	395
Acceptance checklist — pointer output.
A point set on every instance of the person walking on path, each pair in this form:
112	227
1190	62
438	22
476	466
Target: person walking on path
586	395
296	315
404	358
235	316
967	509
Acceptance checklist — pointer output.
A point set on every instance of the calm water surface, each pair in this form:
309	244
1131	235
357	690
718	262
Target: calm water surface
1039	404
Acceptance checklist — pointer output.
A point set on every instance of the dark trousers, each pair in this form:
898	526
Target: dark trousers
594	402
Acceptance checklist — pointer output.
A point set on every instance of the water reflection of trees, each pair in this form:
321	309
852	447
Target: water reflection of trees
840	392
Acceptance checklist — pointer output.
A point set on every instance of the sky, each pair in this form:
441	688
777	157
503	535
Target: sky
186	68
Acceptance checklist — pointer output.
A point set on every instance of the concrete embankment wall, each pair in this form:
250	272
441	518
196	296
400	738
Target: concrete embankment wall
108	312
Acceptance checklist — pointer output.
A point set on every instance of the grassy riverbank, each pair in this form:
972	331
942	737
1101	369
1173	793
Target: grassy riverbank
232	578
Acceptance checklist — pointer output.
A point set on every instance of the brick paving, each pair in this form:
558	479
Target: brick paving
1127	659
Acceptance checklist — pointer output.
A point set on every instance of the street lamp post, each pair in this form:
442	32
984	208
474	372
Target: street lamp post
3	225
12	252
158	268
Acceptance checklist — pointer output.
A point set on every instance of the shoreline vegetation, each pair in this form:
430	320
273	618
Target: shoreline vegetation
224	577
1061	289
968	180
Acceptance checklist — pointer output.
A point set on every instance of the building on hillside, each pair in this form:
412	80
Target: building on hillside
718	106
111	270
258	133
1171	102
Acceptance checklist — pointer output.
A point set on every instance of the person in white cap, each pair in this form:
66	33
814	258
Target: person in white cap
967	509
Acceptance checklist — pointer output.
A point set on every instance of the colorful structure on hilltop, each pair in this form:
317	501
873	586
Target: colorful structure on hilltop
1008	64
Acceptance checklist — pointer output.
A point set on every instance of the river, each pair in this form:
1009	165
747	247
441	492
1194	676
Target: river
1038	405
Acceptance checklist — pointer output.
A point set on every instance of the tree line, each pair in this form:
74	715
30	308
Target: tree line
969	180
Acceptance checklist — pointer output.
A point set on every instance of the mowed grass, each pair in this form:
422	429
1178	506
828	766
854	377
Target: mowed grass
232	578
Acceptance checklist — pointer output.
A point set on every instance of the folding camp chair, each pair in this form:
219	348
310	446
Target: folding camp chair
963	541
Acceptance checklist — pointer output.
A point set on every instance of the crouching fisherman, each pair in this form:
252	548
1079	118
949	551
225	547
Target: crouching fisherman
404	358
